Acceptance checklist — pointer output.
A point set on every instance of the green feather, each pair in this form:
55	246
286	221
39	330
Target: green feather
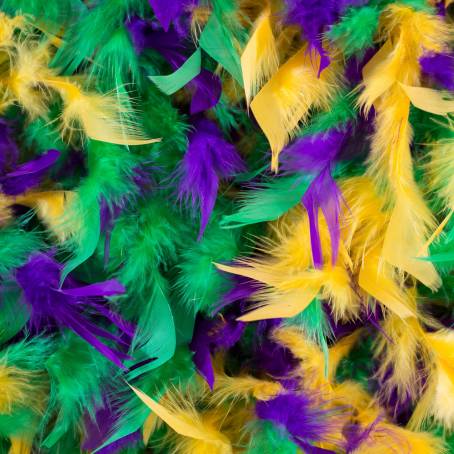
110	172
269	202
198	283
13	314
92	31
178	79
266	438
220	37
340	112
355	32
116	63
77	372
16	245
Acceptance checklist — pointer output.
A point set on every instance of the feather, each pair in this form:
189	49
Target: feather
167	11
356	29
259	60
50	207
185	421
29	174
39	281
111	173
208	159
267	201
16	244
266	438
185	73
302	416
133	412
385	86
77	372
440	385
219	38
440	68
286	98
106	118
400	347
198	283
93	29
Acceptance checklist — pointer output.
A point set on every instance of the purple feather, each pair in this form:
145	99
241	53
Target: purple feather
316	154
242	289
323	194
206	90
9	153
28	175
98	430
208	159
166	11
71	305
299	415
439	68
314	17
275	359
211	336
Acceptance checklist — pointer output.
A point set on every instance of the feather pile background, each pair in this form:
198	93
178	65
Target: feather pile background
226	226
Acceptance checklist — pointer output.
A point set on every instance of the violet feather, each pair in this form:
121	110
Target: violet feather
208	159
211	336
71	305
9	153
28	175
316	154
166	11
299	414
314	18
439	68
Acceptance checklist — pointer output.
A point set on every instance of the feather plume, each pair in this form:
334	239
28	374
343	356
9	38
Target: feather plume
287	97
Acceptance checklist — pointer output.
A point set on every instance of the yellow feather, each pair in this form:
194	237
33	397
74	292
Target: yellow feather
185	421
16	388
28	71
438	396
429	100
50	207
149	426
377	280
259	60
441	170
242	387
102	117
399	348
20	446
390	82
286	98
